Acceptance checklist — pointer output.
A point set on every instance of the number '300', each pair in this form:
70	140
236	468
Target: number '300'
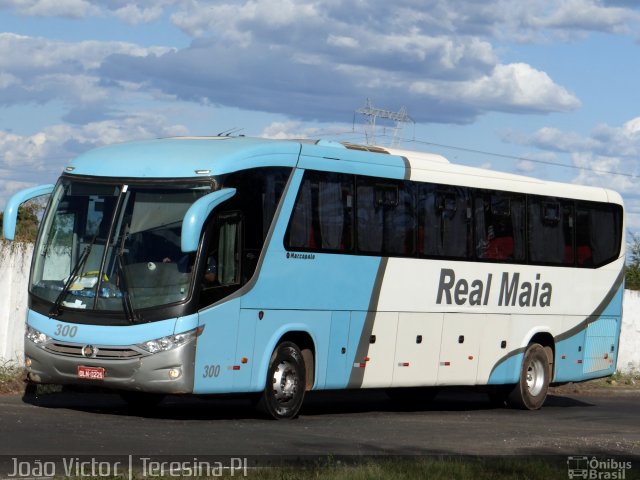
66	330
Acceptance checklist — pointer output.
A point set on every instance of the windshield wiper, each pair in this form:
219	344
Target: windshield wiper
130	312
55	310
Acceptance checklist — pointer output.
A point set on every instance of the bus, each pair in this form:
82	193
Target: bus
236	265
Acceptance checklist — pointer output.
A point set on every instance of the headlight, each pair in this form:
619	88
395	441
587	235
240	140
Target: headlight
170	342
36	336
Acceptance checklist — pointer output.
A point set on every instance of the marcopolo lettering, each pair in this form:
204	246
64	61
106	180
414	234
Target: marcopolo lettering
514	291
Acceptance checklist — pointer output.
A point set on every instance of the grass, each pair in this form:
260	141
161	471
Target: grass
408	468
630	379
11	378
433	468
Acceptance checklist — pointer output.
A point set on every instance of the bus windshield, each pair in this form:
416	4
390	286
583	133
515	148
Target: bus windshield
114	247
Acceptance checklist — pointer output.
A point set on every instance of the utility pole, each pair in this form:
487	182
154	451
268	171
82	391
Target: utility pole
371	114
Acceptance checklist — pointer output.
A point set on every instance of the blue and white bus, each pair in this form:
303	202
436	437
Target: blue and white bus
239	265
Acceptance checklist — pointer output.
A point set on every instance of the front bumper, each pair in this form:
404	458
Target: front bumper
146	373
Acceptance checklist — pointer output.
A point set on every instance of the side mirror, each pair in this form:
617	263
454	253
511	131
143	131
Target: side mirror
11	209
197	214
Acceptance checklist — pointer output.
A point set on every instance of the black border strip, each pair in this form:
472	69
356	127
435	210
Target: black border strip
357	374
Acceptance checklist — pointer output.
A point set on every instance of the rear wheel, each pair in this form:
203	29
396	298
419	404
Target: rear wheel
286	382
530	392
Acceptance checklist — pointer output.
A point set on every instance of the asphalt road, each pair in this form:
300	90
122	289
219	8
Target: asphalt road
457	422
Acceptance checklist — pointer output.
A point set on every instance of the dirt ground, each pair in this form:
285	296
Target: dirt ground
610	385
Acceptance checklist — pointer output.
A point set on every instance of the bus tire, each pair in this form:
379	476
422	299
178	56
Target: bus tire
285	385
530	392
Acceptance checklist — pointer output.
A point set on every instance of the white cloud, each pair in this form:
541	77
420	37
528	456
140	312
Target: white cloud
604	140
234	21
39	70
43	154
606	157
50	8
606	172
23	53
509	88
9	187
534	20
294	129
134	14
342	41
588	15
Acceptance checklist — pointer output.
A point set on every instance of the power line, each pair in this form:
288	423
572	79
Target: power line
515	157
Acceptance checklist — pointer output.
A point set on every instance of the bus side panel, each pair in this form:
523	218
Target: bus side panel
507	370
592	352
600	345
378	363
337	351
495	342
569	353
244	359
417	349
274	325
216	352
460	347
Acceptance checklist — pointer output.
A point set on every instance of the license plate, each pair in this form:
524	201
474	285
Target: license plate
91	373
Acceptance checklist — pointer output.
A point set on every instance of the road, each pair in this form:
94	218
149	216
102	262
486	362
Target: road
457	422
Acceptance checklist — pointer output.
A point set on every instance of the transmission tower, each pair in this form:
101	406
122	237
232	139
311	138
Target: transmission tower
371	114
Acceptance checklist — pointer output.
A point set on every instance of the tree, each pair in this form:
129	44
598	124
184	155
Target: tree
29	215
632	269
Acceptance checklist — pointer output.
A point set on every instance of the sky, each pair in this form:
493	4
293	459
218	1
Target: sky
546	88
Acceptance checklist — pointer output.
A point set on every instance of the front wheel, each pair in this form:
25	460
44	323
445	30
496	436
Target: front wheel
285	386
530	392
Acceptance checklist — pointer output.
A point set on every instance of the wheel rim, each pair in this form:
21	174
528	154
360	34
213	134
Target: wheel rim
535	377
285	382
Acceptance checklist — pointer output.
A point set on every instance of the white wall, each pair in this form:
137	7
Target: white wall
15	259
629	353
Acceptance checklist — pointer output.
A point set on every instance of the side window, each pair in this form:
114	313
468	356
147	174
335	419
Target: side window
499	226
598	232
322	217
443	221
551	230
222	271
258	193
228	253
386	221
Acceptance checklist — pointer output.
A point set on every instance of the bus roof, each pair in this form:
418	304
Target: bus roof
197	157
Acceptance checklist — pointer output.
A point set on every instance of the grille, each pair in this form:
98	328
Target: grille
107	353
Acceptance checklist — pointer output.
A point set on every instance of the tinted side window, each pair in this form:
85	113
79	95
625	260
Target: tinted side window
385	217
443	221
598	232
550	227
322	218
499	225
